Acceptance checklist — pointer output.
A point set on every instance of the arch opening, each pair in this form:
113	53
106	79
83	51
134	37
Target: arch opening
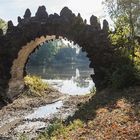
18	70
63	65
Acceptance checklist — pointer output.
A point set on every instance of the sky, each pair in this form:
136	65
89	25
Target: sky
11	9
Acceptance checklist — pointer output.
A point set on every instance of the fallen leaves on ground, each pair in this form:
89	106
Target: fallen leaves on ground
115	122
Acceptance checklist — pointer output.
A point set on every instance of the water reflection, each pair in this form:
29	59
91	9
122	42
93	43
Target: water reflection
71	79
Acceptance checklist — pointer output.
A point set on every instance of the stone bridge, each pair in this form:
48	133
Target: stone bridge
22	40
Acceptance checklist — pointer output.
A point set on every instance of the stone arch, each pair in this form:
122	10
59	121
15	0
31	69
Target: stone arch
19	41
16	83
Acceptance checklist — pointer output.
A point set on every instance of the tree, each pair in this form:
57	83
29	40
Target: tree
46	53
124	70
66	54
125	14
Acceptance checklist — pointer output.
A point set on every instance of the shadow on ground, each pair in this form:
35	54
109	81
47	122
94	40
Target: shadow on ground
106	98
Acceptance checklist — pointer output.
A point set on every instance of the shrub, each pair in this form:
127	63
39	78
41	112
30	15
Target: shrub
35	85
124	73
123	77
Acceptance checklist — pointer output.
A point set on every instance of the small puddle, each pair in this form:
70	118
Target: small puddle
45	111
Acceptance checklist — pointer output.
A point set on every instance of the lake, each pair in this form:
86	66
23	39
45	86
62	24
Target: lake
72	79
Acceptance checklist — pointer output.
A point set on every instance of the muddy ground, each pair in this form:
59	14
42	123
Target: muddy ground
13	121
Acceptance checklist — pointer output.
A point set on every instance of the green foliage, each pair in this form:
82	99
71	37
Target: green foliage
23	137
46	53
65	55
52	128
57	52
137	54
128	8
3	25
58	129
123	76
35	86
124	71
93	90
121	39
126	67
125	14
120	36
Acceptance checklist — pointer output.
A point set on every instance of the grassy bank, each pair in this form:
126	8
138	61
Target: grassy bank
35	86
